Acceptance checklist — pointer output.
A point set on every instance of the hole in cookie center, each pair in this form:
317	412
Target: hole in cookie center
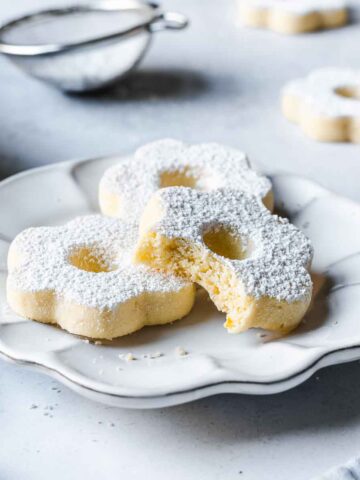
177	178
90	260
349	91
224	242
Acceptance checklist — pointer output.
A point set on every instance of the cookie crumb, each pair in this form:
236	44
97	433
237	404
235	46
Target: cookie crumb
129	357
261	335
156	355
181	352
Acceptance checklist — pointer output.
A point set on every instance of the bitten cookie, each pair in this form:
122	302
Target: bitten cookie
325	104
80	276
253	264
294	16
126	188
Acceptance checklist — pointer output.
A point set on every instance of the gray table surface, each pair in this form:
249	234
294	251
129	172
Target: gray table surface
218	82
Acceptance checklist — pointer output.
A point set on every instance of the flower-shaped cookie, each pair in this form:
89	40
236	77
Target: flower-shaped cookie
253	264
293	16
326	104
126	188
80	276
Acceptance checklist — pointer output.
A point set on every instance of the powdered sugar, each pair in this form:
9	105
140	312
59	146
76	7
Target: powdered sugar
280	253
44	263
318	90
209	166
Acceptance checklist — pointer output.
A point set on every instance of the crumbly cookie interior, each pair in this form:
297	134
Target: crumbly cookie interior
196	264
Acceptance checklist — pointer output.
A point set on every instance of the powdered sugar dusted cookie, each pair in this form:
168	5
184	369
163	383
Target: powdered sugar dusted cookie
293	16
126	188
253	264
80	276
326	104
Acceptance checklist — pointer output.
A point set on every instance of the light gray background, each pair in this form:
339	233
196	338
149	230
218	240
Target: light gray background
219	82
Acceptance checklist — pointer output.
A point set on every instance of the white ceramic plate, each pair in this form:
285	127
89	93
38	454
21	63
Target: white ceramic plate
217	362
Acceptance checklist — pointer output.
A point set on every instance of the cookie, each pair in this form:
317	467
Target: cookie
325	104
254	265
294	16
126	188
80	276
